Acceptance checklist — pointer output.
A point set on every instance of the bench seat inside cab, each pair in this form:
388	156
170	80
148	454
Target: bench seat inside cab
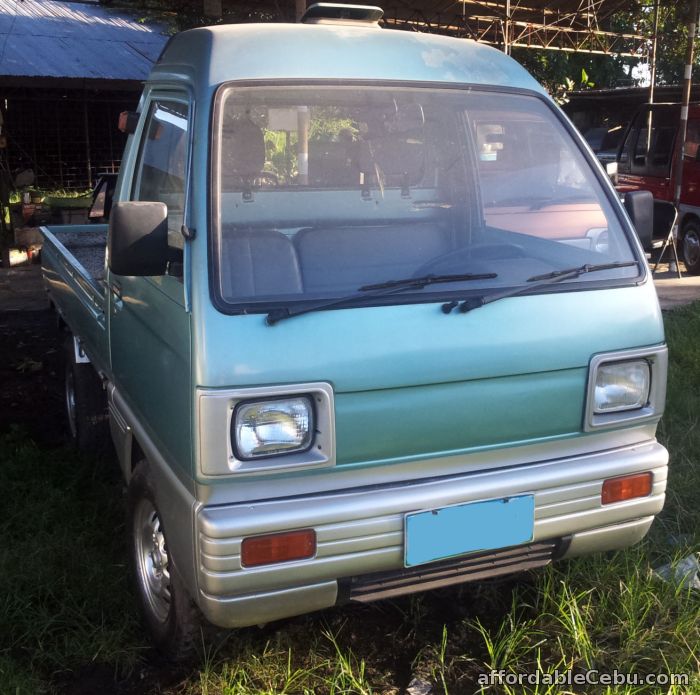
318	260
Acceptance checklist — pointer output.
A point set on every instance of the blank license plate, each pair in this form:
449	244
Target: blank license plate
465	528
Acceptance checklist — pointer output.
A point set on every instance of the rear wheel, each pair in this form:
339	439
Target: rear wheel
171	617
85	402
690	246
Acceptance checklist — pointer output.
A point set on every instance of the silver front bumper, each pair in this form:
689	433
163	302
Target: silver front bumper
361	531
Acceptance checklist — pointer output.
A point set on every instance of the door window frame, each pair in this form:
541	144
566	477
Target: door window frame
171	284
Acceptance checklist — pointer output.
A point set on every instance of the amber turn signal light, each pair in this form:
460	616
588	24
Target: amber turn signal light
626	487
278	547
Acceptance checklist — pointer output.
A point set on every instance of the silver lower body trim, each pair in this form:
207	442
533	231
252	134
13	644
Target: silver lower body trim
360	532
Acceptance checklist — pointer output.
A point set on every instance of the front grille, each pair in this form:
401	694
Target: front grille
487	565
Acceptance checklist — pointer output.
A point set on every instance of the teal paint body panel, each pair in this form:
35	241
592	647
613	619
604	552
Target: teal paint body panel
212	56
443	419
417	344
412	382
439	534
150	356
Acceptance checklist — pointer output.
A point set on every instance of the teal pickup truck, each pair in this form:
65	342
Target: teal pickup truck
368	319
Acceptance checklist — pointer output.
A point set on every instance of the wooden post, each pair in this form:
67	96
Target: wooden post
304	117
653	72
654	43
506	30
302	124
687	83
60	151
86	124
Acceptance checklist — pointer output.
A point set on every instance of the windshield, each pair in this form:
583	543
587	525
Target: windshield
323	190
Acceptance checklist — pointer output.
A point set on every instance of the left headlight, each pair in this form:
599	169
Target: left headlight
273	427
621	386
626	387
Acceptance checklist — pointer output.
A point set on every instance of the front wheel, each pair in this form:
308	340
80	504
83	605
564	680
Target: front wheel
170	615
690	247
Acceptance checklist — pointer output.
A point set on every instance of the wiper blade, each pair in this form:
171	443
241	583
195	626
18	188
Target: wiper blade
377	290
537	281
581	270
426	280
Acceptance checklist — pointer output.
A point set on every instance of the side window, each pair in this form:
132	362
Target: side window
521	161
692	140
625	159
160	173
653	150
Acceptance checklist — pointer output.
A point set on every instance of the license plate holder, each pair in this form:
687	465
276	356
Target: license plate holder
439	534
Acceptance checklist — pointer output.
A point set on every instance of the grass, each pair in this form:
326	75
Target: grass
67	615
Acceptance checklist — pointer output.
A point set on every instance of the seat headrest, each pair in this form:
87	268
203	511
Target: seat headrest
242	148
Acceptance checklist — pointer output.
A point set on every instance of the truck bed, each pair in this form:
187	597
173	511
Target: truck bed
73	262
87	247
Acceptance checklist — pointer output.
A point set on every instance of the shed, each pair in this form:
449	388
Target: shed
67	69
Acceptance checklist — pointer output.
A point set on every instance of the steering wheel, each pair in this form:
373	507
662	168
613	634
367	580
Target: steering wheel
459	259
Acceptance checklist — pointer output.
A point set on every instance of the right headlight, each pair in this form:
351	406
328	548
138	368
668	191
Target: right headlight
258	429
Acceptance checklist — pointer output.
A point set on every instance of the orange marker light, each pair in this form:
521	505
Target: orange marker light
626	487
278	547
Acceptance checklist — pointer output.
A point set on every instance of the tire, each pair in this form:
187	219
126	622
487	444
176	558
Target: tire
690	246
86	404
171	617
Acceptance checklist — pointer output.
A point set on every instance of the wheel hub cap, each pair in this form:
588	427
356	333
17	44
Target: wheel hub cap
691	247
152	561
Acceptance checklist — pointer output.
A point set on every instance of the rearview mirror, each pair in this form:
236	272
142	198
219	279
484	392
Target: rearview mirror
640	208
137	241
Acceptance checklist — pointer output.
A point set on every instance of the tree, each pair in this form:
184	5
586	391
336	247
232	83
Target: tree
556	70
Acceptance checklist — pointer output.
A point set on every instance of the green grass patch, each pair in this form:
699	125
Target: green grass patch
64	599
67	613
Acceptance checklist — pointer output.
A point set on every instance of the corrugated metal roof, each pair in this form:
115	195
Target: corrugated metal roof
47	38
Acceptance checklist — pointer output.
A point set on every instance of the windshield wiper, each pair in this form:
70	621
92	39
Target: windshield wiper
376	290
426	280
537	281
581	270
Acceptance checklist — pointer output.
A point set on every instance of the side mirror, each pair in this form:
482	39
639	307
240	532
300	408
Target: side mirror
640	208
137	242
611	170
128	122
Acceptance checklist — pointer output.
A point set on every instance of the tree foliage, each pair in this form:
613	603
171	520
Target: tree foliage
557	70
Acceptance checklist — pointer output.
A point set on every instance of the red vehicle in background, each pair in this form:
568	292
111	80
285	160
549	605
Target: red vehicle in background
646	161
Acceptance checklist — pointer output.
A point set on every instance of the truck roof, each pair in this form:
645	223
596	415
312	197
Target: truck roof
210	56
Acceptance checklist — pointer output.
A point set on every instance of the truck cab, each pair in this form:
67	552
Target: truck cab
371	320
